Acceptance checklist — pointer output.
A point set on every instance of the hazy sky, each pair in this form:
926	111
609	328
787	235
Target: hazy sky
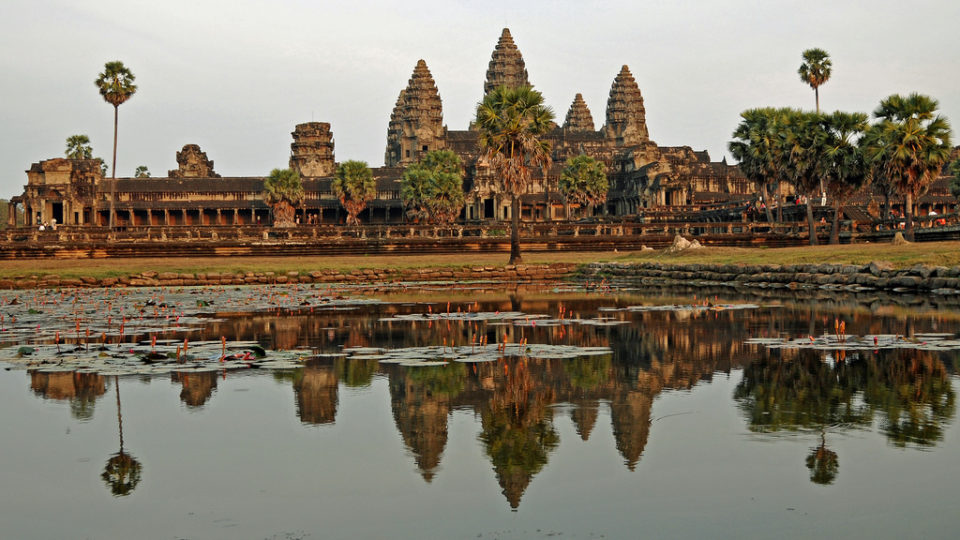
236	76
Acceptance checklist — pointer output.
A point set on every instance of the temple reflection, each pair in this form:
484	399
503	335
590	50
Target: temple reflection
196	387
80	389
908	393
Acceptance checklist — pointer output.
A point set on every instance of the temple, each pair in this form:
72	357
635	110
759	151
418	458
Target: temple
641	173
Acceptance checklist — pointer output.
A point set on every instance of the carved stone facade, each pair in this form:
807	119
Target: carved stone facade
578	119
506	66
641	173
311	153
193	163
416	124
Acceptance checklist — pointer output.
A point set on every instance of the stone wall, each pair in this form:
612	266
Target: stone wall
511	273
876	276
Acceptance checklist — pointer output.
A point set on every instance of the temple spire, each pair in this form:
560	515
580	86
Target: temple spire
416	125
626	117
578	117
506	65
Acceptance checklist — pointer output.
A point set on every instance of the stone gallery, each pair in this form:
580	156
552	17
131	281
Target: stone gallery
641	173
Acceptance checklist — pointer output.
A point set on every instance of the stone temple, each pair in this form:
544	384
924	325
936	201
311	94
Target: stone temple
641	173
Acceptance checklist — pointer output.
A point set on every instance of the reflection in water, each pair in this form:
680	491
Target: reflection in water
823	463
81	389
907	392
315	388
122	473
197	387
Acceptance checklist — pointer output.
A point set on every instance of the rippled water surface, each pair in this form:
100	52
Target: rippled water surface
474	413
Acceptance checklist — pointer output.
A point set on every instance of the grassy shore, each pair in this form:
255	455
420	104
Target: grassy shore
931	253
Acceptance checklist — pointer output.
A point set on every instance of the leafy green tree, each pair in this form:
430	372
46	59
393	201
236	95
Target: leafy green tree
804	153
433	187
815	70
511	122
758	147
116	86
78	147
141	172
283	190
584	181
844	168
355	186
909	144
104	168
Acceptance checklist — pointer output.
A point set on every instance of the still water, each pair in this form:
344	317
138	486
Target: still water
691	425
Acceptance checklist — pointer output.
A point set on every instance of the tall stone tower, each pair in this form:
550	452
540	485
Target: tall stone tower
506	65
311	152
626	118
579	118
416	124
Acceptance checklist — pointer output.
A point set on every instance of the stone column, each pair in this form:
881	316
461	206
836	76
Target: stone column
132	217
236	217
219	217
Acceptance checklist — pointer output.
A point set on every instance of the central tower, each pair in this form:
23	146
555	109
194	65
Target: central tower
506	65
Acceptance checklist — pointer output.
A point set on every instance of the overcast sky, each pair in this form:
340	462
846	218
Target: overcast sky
236	76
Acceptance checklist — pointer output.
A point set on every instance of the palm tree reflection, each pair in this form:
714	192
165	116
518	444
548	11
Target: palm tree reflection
122	472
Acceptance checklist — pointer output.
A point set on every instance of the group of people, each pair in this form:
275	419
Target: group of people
44	225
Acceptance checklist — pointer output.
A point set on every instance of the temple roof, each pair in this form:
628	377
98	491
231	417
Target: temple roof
626	116
578	117
506	65
421	98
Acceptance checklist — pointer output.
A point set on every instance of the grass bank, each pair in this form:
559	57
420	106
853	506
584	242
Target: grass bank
931	253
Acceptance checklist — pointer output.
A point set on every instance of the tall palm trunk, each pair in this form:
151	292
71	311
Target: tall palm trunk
515	230
113	167
886	209
768	203
811	224
908	216
835	230
816	93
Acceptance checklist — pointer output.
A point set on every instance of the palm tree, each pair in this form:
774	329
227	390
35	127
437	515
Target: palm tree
815	70
78	147
141	172
583	181
844	166
433	187
758	147
355	186
283	190
116	87
909	144
511	121
804	150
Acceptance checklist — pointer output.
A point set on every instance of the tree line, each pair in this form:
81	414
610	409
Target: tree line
836	155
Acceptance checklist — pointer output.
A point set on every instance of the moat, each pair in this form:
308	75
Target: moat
476	411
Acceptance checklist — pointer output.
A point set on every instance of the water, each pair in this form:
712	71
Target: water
682	430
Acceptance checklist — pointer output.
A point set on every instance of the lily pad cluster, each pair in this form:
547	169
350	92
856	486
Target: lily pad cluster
869	342
149	358
108	316
442	355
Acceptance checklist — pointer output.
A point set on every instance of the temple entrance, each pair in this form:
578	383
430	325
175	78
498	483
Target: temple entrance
488	209
56	212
